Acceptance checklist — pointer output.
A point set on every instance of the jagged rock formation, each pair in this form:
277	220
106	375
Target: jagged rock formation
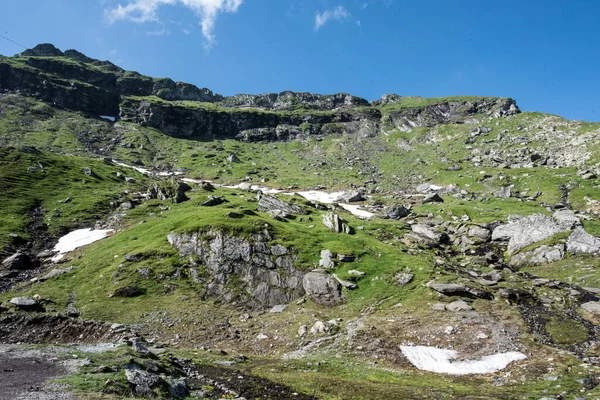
228	266
77	82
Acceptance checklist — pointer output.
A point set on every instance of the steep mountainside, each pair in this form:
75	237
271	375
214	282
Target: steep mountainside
321	245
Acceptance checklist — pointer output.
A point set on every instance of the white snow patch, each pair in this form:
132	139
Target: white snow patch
146	171
440	361
322	197
109	118
138	169
255	188
355	210
198	181
76	239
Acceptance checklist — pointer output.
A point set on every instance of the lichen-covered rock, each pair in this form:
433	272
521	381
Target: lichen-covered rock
581	242
336	224
524	231
271	203
323	289
263	273
426	235
539	256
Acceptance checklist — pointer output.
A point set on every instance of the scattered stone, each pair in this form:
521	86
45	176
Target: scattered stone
129	179
323	289
581	242
234	215
88	171
348	285
514	294
262	336
426	235
482	336
480	233
318	328
396	211
132	258
302	331
438	307
449	330
54	273
346	257
432	198
354	272
336	224
351	197
539	256
142	381
457	289
233	158
402	279
278	308
127	291
213	201
592	307
24	303
326	261
458	305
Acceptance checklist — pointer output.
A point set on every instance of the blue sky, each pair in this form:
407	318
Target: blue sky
543	53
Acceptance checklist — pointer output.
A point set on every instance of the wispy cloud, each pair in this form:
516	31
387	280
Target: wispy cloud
141	11
335	14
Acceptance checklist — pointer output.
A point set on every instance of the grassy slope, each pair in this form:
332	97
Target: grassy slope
61	177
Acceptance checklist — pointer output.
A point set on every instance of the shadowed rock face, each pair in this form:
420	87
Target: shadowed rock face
236	266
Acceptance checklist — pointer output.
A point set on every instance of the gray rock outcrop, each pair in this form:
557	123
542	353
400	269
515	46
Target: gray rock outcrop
323	289
336	224
426	235
524	231
269	203
581	242
351	197
233	266
539	256
457	289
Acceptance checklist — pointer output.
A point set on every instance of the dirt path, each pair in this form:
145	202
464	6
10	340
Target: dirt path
24	374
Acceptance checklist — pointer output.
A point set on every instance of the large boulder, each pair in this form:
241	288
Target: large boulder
396	211
336	224
539	256
351	197
524	231
458	289
581	242
24	303
323	289
271	203
426	235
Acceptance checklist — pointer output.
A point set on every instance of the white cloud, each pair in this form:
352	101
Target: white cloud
335	14
141	11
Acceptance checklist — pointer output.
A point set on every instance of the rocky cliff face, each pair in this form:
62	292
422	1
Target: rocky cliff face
74	81
228	267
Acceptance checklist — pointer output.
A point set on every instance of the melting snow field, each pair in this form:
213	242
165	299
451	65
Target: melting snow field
76	239
440	361
312	195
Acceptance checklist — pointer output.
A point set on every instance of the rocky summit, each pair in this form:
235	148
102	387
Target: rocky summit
177	243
